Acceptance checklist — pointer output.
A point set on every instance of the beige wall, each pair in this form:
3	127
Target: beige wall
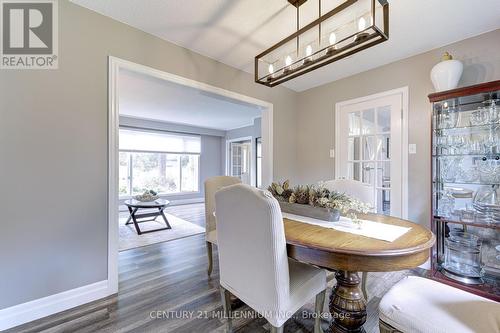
53	150
315	118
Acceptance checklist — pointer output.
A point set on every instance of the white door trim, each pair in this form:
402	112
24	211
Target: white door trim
42	307
403	92
115	64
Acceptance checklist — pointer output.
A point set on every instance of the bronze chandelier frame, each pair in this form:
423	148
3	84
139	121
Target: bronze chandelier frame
326	55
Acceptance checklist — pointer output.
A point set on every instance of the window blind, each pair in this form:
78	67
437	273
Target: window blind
149	141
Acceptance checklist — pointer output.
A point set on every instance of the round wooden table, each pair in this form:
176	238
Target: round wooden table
347	254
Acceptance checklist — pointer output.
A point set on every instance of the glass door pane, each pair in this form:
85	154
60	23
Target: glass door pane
368	130
241	160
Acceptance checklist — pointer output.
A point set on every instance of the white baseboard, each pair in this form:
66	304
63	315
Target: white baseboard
46	306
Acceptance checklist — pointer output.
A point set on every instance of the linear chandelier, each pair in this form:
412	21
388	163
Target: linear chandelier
350	27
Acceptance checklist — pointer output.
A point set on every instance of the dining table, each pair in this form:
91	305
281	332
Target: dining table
346	254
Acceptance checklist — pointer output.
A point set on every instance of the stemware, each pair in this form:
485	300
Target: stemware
469	174
474	144
446	203
449	169
489	171
447	119
478	117
491	140
458	143
492	111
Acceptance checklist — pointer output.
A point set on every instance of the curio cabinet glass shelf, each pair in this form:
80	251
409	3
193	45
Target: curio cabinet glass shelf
466	188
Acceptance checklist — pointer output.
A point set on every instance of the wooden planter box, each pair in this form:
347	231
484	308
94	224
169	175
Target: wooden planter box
325	214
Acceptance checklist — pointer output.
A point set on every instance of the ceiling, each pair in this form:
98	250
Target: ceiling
143	96
234	31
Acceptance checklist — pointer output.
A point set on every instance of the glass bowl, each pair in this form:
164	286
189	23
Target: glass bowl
487	202
463	254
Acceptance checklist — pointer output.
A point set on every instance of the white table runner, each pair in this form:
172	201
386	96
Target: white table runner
377	230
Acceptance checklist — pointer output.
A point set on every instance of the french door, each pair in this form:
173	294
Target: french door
369	142
240	160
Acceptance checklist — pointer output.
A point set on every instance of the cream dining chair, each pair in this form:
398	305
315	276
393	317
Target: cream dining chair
421	305
354	188
253	261
212	185
361	192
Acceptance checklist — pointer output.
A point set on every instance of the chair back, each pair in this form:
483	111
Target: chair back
353	188
212	185
253	260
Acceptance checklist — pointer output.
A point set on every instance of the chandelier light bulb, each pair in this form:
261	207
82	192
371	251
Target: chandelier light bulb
309	50
361	24
288	60
271	69
332	39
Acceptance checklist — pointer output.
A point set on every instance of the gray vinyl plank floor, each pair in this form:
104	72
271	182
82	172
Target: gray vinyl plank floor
164	287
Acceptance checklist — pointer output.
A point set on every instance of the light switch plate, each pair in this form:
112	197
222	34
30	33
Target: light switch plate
412	148
332	153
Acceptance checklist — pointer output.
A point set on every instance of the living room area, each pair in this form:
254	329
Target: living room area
172	137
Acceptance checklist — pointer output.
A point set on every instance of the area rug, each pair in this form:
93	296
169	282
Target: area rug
129	239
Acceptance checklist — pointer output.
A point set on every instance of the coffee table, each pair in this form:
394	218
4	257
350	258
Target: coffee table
136	218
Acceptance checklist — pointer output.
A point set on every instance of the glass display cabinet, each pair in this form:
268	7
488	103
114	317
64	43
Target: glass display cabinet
465	188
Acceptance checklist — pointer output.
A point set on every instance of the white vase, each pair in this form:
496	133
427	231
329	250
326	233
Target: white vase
446	74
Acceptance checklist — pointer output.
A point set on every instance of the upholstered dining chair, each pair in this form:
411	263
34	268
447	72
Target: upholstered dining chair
253	259
361	192
354	188
420	305
212	185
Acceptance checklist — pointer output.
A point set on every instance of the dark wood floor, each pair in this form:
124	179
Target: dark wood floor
171	278
194	213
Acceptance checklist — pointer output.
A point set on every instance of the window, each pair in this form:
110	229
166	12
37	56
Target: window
167	163
259	162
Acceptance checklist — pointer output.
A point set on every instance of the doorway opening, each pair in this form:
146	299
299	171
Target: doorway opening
239	158
150	145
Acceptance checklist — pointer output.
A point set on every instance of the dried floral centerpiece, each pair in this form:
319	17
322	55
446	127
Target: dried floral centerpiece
316	201
147	196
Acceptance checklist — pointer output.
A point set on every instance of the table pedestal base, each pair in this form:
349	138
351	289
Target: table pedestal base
347	304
